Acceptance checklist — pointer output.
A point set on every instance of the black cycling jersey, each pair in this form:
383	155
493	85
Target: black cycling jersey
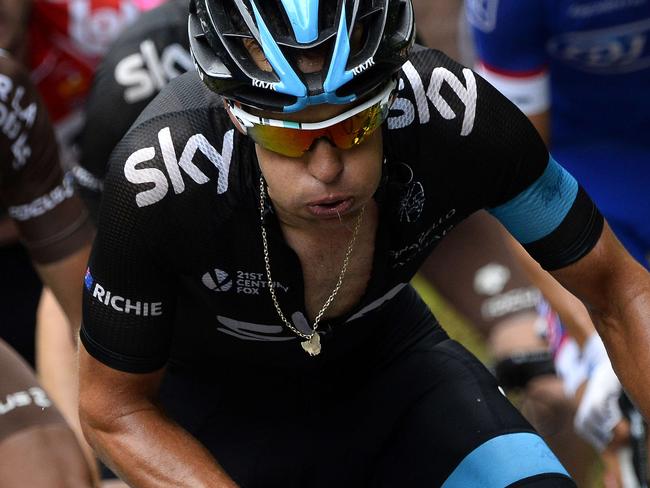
177	278
33	189
177	271
143	59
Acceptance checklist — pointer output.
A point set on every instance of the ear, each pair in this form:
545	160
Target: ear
233	119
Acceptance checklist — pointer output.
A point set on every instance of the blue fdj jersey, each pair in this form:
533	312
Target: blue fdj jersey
589	62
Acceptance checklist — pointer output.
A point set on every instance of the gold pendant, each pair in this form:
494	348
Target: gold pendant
312	346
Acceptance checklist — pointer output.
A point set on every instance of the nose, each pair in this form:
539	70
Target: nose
324	161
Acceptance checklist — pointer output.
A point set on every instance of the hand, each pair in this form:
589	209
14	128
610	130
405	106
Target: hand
599	412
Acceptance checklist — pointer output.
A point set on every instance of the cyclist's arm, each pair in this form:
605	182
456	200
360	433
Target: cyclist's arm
129	315
542	122
616	291
571	310
65	278
37	447
52	223
134	437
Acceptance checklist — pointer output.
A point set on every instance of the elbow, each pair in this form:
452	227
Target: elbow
94	419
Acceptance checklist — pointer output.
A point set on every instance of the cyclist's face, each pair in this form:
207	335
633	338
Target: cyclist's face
13	21
325	183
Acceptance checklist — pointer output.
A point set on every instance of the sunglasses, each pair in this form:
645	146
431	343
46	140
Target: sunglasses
294	139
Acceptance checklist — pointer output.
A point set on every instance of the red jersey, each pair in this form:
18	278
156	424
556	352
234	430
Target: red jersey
67	40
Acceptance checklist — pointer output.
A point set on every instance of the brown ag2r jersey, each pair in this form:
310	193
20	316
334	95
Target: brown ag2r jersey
34	191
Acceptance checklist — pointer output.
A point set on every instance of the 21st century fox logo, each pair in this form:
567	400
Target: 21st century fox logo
119	303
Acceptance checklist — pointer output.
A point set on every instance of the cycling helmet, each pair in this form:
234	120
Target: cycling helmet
284	29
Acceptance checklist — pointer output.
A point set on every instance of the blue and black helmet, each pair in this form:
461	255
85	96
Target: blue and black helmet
286	29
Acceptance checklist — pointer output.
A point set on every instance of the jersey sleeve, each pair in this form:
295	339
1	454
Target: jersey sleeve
128	303
38	196
510	41
554	218
477	150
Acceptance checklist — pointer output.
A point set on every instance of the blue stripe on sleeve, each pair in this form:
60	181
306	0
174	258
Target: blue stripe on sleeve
504	460
541	208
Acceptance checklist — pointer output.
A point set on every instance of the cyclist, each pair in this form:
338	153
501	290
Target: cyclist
29	428
566	65
207	268
156	49
54	227
40	199
60	43
139	63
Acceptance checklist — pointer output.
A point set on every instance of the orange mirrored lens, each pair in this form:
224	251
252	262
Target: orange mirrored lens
353	131
283	140
296	142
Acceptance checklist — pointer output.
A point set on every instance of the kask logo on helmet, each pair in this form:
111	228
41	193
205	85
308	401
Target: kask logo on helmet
363	66
267	85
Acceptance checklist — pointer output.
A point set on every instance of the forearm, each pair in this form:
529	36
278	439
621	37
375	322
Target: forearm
56	365
625	328
616	291
571	310
146	449
65	279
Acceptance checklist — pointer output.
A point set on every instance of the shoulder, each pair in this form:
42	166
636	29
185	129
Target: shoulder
13	73
139	64
183	148
154	50
162	26
183	94
435	92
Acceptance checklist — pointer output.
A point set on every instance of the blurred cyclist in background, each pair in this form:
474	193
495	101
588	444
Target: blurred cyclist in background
60	43
37	448
579	70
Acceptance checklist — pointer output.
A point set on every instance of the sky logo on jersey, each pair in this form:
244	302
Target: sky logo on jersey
119	303
138	175
146	72
33	396
441	77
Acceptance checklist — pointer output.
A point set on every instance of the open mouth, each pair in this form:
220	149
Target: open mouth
330	208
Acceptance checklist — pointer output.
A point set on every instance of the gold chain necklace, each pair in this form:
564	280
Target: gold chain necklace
311	344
